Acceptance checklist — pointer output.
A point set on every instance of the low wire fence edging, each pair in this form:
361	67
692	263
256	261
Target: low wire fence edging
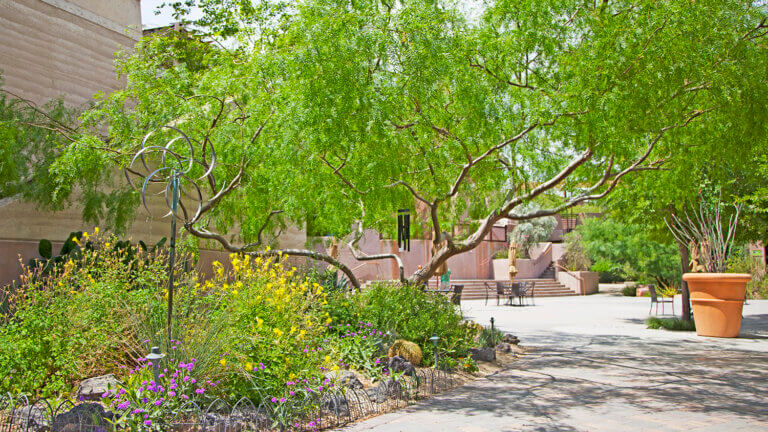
333	408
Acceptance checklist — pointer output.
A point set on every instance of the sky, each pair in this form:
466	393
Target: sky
150	20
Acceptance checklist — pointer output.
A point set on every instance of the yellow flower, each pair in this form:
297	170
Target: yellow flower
293	329
335	367
223	362
327	359
292	376
259	322
328	321
278	332
248	366
96	230
107	244
302	333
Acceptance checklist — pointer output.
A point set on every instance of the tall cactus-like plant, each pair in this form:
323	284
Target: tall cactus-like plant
710	239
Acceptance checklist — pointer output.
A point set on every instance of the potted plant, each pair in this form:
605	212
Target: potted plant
717	297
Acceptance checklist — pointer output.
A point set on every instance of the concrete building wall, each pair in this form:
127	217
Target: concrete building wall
52	48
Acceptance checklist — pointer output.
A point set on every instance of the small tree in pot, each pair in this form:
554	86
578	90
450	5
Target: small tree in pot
717	297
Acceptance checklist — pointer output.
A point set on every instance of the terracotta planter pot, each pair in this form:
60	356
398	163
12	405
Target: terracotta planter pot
717	299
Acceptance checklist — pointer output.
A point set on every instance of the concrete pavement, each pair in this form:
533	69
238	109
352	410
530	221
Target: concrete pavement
595	367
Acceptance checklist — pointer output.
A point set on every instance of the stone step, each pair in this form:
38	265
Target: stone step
475	289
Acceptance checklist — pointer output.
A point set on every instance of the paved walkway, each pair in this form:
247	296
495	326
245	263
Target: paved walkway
595	367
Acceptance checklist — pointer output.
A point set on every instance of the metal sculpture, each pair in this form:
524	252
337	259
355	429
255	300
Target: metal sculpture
404	229
173	165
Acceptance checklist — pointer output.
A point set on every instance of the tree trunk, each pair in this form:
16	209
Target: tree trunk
685	267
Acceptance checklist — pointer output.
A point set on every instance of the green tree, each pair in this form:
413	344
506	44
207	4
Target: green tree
343	112
629	251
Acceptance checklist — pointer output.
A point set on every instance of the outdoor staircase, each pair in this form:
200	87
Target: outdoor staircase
549	272
474	289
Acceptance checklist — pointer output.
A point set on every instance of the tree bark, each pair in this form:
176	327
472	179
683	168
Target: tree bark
685	267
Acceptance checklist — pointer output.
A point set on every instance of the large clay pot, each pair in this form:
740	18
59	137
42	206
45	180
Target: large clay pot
717	299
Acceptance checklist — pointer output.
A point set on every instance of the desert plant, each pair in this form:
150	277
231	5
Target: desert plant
709	238
407	349
531	232
490	338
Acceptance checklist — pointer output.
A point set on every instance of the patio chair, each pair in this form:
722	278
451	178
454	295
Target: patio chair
516	290
527	290
501	291
488	291
656	299
456	296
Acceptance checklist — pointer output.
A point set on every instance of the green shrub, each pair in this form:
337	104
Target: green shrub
741	262
409	313
670	324
488	338
629	291
74	322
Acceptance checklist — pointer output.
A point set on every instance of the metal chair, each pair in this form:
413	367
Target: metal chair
656	299
456	296
516	290
527	290
488	291
500	291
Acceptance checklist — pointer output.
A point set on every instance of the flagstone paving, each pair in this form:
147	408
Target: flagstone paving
595	367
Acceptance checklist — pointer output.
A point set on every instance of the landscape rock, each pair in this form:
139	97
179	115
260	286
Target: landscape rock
400	364
345	378
93	388
82	417
504	347
483	354
337	404
389	389
510	339
409	350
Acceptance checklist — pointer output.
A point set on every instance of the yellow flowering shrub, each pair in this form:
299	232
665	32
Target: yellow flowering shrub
275	323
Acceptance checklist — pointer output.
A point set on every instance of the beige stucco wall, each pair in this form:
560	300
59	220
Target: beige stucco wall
581	282
52	48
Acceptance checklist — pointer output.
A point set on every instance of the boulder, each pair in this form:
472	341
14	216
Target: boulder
483	354
409	350
337	404
93	388
504	347
345	378
510	339
389	389
82	417
400	364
